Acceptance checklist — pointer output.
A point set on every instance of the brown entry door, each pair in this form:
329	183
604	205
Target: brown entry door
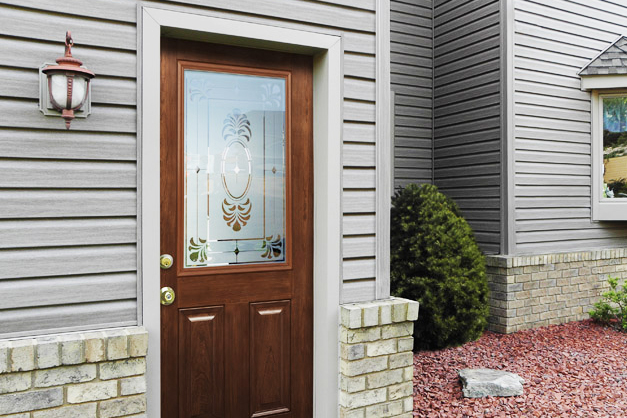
236	217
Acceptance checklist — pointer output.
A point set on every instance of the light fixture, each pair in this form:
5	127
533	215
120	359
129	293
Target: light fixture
67	84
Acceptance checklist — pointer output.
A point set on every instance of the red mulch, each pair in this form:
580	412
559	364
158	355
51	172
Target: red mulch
572	370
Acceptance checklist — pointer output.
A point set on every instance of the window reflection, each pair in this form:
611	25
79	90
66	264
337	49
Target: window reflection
615	147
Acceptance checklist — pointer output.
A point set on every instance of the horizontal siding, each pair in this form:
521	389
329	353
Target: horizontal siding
412	82
554	39
467	130
68	199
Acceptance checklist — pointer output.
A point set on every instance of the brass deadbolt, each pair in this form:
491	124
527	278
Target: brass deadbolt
166	261
167	296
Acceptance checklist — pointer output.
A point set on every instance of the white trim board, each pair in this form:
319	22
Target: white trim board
383	140
327	52
600	82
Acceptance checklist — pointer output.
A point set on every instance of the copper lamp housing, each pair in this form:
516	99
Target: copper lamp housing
68	83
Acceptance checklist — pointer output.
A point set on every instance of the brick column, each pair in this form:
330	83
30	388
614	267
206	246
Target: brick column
376	365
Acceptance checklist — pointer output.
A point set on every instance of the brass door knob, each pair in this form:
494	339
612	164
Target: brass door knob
166	261
167	296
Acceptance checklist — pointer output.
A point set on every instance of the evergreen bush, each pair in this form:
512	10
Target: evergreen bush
436	261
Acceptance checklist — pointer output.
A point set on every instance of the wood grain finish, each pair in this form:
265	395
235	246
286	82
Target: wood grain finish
265	311
201	346
270	358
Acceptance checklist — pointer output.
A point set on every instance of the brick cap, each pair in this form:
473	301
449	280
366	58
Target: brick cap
378	312
136	341
509	261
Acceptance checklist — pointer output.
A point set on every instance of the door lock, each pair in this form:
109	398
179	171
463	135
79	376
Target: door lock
167	296
166	261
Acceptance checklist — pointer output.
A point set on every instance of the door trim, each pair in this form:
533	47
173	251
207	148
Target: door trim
327	102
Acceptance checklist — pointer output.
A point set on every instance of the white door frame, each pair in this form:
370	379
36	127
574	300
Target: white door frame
327	97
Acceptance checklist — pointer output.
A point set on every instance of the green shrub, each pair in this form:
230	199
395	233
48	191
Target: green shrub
612	308
436	261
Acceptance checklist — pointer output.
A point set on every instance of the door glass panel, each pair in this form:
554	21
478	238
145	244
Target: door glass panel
235	168
615	147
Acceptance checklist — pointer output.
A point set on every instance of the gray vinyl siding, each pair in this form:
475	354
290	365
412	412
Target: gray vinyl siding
68	199
411	69
554	39
467	144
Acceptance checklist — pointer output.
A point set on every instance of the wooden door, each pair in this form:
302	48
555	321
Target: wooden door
237	218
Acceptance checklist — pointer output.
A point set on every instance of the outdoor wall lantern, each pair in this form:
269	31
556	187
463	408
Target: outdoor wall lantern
64	87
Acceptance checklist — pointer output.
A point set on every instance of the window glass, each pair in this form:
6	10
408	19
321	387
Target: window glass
614	147
235	169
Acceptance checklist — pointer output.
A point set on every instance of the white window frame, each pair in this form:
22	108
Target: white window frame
603	209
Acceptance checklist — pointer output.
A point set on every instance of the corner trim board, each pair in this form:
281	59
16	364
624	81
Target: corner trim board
383	141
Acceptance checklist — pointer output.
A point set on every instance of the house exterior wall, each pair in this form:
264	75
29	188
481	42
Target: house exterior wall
467	119
68	218
553	40
411	67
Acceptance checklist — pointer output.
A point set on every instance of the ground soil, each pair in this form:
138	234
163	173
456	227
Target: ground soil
571	370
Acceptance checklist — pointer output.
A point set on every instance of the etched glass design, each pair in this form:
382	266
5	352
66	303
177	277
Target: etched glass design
234	189
614	147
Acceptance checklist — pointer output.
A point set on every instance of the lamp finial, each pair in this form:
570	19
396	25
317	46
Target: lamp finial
69	42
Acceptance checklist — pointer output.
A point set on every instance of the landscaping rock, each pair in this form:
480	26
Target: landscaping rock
479	383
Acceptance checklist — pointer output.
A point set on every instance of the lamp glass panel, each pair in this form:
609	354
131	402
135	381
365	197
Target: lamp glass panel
79	90
58	86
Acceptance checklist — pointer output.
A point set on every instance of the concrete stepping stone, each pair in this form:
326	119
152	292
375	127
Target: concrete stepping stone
479	383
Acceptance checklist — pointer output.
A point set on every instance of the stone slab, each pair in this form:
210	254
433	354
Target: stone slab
479	383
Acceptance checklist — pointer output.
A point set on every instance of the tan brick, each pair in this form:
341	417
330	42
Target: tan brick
133	385
367	365
360	335
381	348
354	413
353	384
22	356
117	345
95	391
72	349
399	311
87	410
350	316
137	342
360	399
15	382
401	360
47	353
64	375
122	368
384	378
385	410
94	347
352	351
401	390
402	329
405	344
123	406
408	373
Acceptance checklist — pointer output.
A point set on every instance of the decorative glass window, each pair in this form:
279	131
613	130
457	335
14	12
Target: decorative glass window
235	149
609	156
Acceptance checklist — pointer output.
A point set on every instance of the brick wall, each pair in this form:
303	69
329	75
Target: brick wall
534	291
88	375
376	365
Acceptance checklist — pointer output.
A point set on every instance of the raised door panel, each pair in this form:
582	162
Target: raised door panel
270	358
201	352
